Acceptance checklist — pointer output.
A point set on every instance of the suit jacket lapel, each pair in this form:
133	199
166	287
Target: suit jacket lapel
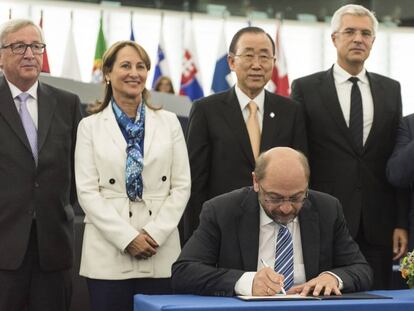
113	129
9	112
378	95
46	108
309	231
248	231
231	112
270	127
330	100
149	129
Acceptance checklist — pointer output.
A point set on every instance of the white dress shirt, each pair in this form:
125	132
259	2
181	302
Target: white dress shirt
244	100
343	89
267	251
31	101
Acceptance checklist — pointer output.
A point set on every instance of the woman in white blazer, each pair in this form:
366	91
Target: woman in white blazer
133	182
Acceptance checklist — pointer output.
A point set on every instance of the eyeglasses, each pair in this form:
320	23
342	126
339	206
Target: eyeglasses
274	199
20	48
264	59
351	32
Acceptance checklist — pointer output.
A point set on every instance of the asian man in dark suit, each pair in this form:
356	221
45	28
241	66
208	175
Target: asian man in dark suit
38	126
400	168
352	117
239	232
224	135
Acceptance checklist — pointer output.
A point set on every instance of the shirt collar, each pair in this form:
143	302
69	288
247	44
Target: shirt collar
244	100
342	76
15	91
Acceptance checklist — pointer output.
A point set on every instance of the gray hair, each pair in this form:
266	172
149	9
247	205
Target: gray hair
355	10
14	25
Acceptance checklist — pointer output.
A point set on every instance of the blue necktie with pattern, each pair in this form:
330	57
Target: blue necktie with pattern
284	256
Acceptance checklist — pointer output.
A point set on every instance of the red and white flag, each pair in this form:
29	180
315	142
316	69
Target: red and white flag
45	67
279	84
190	75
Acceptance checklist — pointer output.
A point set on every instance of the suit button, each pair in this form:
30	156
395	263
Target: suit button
112	181
36	184
150	212
130	214
164	178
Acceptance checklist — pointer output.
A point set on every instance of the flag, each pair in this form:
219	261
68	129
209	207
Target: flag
161	67
190	80
222	74
97	76
45	67
71	64
279	83
132	37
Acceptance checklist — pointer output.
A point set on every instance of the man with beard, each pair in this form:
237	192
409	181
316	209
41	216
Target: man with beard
233	250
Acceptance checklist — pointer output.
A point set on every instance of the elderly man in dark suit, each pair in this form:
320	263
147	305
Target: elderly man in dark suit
352	117
227	131
37	137
400	167
256	240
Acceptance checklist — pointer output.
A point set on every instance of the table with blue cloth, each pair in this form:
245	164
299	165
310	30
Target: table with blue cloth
401	300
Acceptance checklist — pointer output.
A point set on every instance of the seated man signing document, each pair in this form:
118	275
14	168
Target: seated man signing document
273	237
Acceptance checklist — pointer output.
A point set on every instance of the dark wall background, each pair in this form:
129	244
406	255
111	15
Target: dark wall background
400	12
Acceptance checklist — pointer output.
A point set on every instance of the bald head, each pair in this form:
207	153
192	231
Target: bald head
282	163
281	181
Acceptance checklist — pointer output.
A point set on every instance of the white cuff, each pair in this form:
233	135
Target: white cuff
244	285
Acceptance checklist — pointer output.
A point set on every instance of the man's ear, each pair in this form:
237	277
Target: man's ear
255	182
333	38
230	61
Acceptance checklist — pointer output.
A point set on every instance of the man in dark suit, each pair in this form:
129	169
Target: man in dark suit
237	236
37	137
400	167
351	129
222	144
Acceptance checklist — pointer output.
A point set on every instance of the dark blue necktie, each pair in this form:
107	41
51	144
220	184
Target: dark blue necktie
284	256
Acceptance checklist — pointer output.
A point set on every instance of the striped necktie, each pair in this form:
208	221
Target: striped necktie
284	256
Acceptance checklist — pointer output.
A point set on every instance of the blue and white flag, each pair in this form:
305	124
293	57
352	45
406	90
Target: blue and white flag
222	75
132	36
190	76
131	21
161	67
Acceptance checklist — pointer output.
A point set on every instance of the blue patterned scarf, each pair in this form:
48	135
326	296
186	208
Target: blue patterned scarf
134	136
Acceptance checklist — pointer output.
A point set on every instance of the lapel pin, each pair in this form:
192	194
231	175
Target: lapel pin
272	114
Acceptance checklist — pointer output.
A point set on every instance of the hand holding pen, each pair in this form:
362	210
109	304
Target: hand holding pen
267	282
282	290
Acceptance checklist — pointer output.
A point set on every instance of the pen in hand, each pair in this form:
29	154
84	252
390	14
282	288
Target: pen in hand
266	265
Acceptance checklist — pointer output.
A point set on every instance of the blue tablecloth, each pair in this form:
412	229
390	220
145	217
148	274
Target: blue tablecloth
403	300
